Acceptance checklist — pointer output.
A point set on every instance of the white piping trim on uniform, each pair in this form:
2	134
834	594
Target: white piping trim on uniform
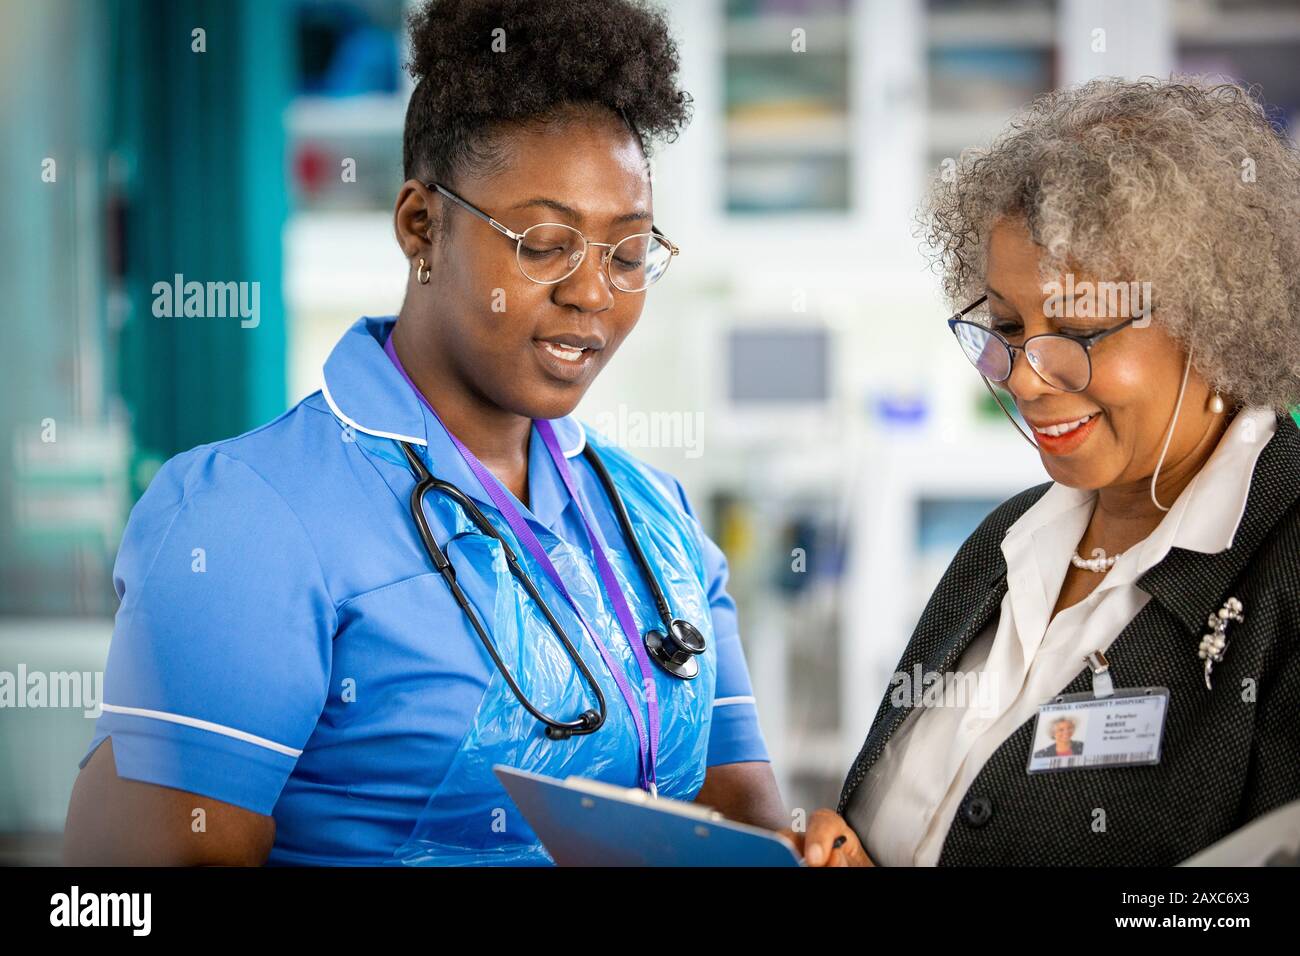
203	725
582	440
338	413
725	701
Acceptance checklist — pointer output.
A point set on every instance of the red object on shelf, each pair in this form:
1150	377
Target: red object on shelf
310	165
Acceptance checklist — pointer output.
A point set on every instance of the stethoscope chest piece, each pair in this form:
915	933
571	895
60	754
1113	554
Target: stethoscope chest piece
676	652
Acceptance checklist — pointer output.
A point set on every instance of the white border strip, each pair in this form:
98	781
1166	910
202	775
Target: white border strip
204	725
725	701
338	413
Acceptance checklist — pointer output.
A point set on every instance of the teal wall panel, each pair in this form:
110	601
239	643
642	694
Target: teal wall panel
206	197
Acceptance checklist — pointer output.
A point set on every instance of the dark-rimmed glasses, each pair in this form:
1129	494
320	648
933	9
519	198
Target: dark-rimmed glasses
1060	359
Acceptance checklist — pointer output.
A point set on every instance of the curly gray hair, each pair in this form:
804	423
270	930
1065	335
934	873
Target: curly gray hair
1184	183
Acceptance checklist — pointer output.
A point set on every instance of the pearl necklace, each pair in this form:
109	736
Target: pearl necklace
1097	565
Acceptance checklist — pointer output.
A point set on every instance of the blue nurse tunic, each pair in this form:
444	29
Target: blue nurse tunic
284	645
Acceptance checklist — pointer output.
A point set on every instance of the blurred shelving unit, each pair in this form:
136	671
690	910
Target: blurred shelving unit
1253	40
344	130
788	145
983	61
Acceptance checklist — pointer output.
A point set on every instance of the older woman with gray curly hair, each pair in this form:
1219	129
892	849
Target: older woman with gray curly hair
1125	259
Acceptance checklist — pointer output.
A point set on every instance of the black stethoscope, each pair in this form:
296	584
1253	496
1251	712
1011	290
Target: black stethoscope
674	648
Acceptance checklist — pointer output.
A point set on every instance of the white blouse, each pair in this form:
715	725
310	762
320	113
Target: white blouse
903	807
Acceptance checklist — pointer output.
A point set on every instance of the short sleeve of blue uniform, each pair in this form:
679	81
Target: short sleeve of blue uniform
218	668
735	735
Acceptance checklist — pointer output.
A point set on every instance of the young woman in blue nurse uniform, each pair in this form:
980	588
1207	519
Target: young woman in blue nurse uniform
288	660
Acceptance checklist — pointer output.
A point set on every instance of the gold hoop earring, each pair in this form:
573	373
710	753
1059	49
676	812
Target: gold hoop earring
422	273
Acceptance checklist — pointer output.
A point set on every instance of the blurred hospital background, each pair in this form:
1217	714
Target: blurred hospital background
793	369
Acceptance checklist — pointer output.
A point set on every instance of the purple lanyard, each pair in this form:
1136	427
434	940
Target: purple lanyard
648	750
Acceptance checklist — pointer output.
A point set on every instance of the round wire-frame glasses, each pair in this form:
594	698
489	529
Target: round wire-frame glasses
550	252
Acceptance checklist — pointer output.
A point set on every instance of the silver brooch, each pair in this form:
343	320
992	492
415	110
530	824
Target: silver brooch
1214	643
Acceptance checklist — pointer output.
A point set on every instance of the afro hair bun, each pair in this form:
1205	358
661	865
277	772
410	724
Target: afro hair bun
480	63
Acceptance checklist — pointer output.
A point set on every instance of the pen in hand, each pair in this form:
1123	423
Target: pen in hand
817	858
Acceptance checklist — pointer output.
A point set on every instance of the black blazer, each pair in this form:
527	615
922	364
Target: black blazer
1229	754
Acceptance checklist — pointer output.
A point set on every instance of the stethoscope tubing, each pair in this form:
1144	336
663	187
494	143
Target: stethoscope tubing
426	482
625	522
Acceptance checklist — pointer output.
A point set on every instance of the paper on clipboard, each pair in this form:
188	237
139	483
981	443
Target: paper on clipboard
584	822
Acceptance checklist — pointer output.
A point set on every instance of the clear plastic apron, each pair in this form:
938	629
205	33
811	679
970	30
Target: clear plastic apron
469	819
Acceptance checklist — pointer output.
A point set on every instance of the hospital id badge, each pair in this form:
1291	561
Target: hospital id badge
1082	731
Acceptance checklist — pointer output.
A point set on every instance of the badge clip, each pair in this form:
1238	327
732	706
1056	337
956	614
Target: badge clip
1102	685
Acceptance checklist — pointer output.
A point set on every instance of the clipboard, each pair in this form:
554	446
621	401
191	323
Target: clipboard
584	822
